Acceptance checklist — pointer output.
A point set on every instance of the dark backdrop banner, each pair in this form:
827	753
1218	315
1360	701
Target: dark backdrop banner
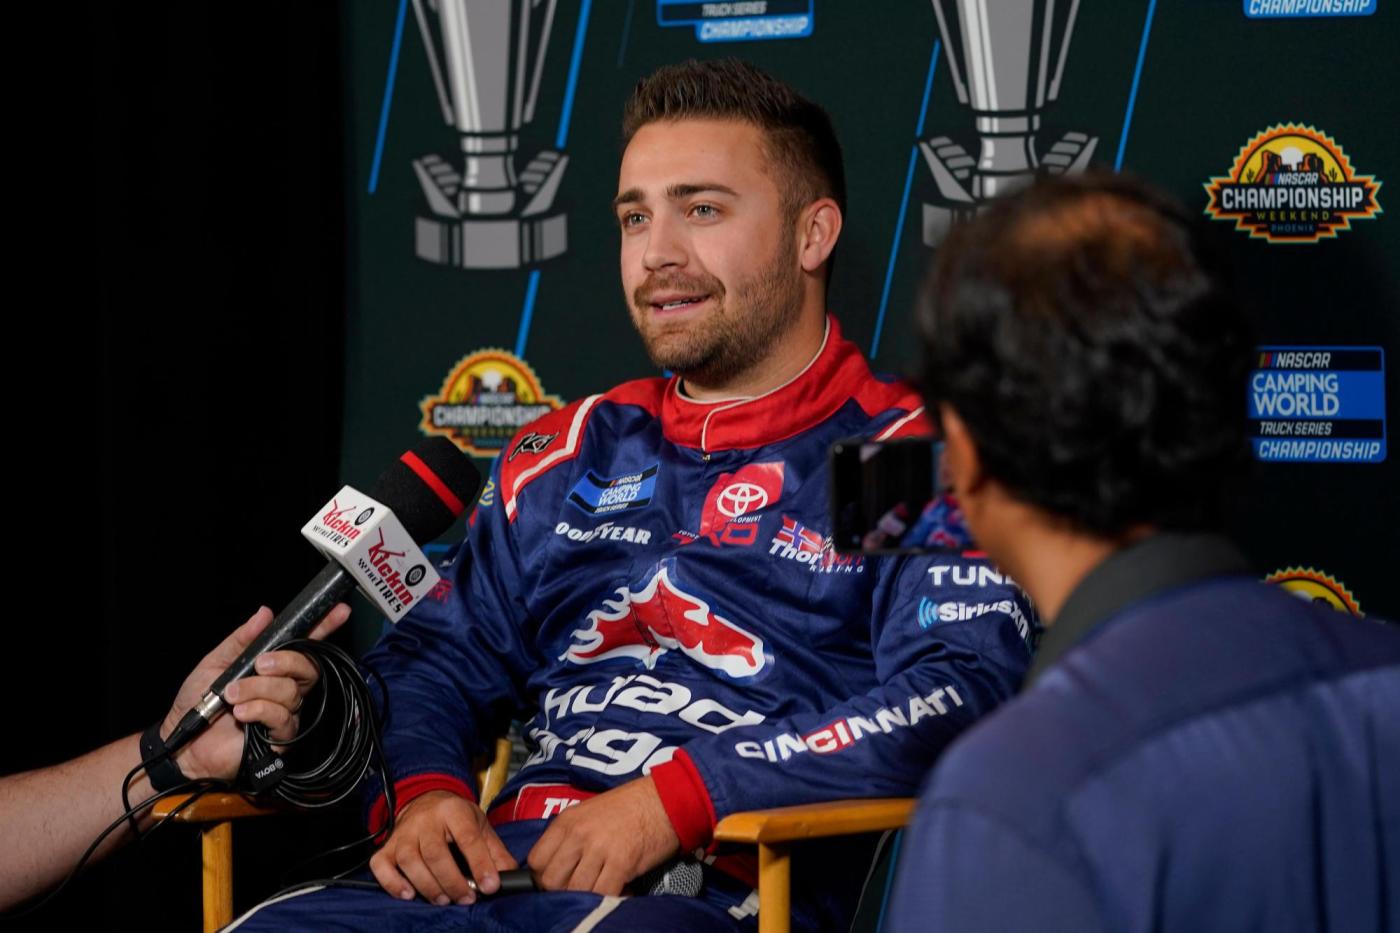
477	304
186	176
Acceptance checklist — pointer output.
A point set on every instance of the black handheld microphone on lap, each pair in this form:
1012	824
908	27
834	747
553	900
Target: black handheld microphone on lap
375	547
683	877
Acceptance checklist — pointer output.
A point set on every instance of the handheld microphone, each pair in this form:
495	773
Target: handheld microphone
413	501
683	877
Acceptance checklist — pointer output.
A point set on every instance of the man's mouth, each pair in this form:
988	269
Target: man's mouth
665	303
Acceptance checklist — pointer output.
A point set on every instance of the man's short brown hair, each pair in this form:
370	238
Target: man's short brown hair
799	136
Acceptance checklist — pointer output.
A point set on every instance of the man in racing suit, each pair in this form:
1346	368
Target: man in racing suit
649	580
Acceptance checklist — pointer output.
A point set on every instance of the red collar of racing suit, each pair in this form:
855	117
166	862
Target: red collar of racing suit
835	375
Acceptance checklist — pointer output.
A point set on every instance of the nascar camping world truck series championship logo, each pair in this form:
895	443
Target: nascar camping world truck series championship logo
488	397
1292	184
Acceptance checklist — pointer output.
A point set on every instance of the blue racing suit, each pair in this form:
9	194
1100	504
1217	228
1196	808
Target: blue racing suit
649	581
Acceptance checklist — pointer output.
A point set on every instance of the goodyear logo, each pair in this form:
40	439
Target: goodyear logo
1318	405
1292	184
485	401
1317	587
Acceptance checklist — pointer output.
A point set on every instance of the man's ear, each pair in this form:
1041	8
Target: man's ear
818	230
960	456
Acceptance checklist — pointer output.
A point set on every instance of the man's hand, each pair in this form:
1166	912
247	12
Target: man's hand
417	855
604	842
272	697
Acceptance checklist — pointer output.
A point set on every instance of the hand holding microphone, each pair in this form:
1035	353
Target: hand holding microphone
273	697
373	542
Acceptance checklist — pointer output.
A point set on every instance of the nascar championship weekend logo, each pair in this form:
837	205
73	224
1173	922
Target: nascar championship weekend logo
1315	586
1292	184
485	400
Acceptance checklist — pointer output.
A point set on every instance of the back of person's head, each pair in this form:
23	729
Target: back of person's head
1087	340
798	133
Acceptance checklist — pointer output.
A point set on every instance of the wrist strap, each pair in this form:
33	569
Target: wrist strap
162	770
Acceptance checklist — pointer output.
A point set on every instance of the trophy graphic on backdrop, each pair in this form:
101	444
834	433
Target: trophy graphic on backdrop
482	213
1006	58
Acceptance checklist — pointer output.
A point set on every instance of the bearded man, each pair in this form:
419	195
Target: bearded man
648	579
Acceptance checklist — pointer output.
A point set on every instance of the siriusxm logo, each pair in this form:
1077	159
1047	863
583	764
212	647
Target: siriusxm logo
931	613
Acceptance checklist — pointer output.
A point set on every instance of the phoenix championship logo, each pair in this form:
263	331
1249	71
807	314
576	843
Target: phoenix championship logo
488	397
1317	587
660	617
1292	184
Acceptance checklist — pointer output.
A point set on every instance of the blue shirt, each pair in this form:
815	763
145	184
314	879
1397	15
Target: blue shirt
1194	751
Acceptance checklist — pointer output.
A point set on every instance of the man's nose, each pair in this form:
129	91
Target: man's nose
665	244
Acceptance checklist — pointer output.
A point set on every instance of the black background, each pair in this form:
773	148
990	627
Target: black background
175	380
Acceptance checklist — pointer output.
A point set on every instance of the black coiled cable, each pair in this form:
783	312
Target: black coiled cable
321	778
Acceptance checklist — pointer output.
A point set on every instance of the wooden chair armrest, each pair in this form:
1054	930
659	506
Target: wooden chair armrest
210	808
815	820
213	808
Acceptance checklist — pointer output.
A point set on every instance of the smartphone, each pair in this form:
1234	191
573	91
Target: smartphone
890	497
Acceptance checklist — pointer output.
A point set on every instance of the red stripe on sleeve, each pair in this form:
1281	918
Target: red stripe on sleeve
410	789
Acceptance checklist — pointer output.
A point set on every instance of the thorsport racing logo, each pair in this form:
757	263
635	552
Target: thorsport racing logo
1292	184
795	541
660	617
488	397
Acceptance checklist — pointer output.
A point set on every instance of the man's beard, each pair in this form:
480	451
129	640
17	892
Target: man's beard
735	335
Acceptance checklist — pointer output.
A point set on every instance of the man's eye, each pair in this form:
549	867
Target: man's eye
633	219
705	211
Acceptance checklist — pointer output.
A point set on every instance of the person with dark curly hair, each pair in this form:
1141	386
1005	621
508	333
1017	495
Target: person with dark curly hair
1192	749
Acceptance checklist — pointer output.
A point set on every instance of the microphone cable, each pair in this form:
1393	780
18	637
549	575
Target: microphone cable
329	779
335	772
196	790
